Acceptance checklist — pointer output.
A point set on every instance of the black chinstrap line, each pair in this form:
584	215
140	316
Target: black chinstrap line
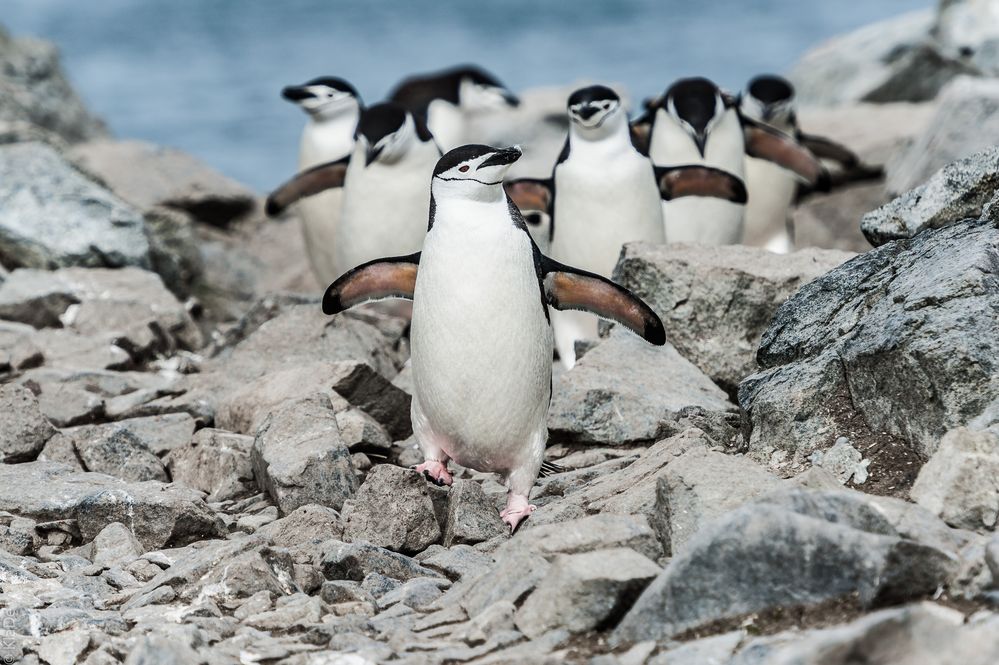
481	182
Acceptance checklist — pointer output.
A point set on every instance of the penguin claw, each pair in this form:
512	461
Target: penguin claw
436	472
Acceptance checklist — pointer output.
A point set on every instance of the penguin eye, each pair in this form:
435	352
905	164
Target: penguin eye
463	168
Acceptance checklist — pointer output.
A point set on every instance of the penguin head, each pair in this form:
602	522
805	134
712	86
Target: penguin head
326	95
474	172
385	132
589	108
478	90
696	104
769	98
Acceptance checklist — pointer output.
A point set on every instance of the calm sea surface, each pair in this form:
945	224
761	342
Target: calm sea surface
204	75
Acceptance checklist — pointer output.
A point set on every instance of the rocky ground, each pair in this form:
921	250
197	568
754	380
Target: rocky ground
197	466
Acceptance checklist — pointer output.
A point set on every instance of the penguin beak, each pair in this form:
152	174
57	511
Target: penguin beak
701	140
586	112
296	93
511	98
501	157
372	154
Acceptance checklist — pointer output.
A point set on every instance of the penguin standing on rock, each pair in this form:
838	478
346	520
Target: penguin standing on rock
446	100
385	183
695	123
333	107
481	337
604	193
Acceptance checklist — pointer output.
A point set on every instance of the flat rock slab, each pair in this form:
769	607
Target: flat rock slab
628	391
157	514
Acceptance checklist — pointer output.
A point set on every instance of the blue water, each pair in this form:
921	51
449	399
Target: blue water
204	75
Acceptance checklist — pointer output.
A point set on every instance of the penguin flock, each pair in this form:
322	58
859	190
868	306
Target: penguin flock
398	200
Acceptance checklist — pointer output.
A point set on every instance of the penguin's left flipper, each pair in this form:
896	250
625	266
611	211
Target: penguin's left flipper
824	148
773	145
311	181
393	277
640	130
696	180
530	194
569	288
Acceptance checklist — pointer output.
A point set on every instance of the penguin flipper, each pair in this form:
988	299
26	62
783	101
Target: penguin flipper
569	288
824	148
530	194
697	180
392	277
773	145
640	130
311	181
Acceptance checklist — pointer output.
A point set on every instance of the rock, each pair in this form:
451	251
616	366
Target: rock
717	301
967	29
963	124
115	451
714	649
602	531
393	509
894	347
127	308
23	428
35	91
298	457
363	387
354	561
958	191
512	577
116	546
843	461
472	517
418	593
618	393
456	562
161	650
18	351
309	523
64	648
830	220
960	481
148	175
887	61
764	556
157	514
215	462
700	485
585	592
52	217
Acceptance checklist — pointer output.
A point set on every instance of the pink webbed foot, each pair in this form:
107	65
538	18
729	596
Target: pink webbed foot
436	471
517	510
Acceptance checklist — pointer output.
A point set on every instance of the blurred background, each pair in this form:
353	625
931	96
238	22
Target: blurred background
204	76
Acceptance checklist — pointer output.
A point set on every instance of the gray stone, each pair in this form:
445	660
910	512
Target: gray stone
148	175
344	591
174	250
587	534
963	123
115	545
361	385
64	648
717	301
587	591
456	562
115	451
157	514
699	486
765	556
17	348
899	342
417	593
298	457
619	393
216	462
354	561
960	481
512	577
715	649
956	192
309	523
361	432
35	91
23	428
472	516
393	509
51	216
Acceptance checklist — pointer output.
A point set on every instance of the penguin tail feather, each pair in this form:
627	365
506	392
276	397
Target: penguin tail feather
551	468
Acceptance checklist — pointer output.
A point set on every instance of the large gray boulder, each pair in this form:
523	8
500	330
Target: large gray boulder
627	391
51	216
964	122
894	347
716	301
158	514
34	90
958	191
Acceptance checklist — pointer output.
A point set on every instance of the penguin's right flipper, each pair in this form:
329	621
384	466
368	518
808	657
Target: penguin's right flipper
824	148
697	180
773	145
530	194
311	181
393	277
640	130
570	288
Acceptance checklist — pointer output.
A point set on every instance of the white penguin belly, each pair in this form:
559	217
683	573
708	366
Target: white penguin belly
384	213
701	219
481	345
771	195
447	124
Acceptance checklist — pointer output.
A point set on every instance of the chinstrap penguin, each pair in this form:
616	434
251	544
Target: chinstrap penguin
446	100
333	107
481	338
604	193
694	122
385	183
